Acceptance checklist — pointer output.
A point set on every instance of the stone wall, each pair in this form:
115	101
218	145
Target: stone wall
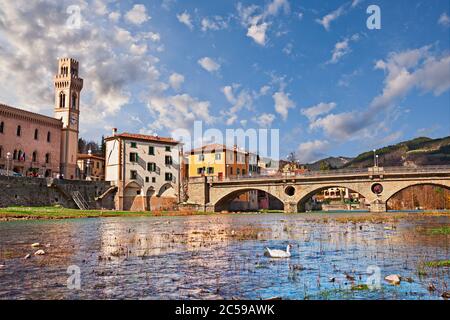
22	191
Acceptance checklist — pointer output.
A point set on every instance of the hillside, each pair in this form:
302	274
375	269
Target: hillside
330	162
416	152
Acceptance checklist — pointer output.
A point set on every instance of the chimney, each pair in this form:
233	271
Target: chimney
114	131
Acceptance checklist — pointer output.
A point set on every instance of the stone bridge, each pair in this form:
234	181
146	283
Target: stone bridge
377	185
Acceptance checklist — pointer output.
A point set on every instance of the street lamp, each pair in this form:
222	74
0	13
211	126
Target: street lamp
374	158
8	156
88	164
376	162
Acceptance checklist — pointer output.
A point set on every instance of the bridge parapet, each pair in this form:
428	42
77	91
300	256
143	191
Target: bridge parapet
377	185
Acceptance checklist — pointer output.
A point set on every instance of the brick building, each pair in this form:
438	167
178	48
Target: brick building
32	144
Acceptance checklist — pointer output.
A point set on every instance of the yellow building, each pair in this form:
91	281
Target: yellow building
91	167
217	160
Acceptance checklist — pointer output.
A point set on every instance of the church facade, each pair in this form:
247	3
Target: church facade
32	144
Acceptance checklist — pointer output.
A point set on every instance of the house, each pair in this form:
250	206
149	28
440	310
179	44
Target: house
145	169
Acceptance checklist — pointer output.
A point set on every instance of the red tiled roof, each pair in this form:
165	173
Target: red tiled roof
214	147
143	137
92	156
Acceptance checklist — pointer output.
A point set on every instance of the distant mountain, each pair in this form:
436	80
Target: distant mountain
331	163
416	152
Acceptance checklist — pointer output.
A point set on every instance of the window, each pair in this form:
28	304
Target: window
47	158
133	174
74	101
48	136
153	179
231	170
168	176
167	148
201	170
19	131
133	145
62	100
168	160
201	157
210	170
238	171
243	171
15	155
34	156
147	179
151	166
21	156
36	134
133	157
151	150
98	165
2	126
218	156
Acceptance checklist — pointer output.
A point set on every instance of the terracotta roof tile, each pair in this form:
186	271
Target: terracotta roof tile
143	137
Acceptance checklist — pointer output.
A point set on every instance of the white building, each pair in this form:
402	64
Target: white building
145	169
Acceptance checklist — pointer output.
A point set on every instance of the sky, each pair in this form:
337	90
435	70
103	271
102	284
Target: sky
312	69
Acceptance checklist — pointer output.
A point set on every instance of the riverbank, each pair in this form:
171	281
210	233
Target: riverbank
49	213
45	213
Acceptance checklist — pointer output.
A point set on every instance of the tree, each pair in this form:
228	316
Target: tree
324	166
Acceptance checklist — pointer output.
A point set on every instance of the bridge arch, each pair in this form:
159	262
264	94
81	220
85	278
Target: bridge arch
223	202
395	191
308	192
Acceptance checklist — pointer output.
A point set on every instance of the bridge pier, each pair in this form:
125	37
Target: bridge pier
378	206
290	207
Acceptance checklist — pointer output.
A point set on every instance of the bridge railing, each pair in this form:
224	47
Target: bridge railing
339	172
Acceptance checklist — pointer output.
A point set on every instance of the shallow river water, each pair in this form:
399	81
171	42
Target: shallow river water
222	257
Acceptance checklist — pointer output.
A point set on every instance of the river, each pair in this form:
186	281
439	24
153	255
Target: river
222	257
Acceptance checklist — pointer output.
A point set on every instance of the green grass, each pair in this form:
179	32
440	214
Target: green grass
58	212
439	231
438	264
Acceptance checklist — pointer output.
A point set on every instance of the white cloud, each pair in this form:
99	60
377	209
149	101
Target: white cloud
444	20
100	7
265	120
322	108
312	150
407	70
178	112
137	15
258	33
282	103
209	64
215	23
176	80
355	3
185	18
342	48
327	19
242	100
288	49
276	5
256	19
114	16
153	36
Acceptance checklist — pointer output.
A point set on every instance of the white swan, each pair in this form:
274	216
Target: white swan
275	253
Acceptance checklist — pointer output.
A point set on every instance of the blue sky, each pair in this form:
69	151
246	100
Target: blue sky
309	68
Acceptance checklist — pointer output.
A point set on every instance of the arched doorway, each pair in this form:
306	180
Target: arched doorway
165	199
248	200
332	198
132	198
420	197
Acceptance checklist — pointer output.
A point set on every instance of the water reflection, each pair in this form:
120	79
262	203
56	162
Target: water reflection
214	257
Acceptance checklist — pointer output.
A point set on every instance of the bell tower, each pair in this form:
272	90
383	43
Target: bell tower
67	108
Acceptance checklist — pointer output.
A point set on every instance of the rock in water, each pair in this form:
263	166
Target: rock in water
39	253
393	279
27	256
36	244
